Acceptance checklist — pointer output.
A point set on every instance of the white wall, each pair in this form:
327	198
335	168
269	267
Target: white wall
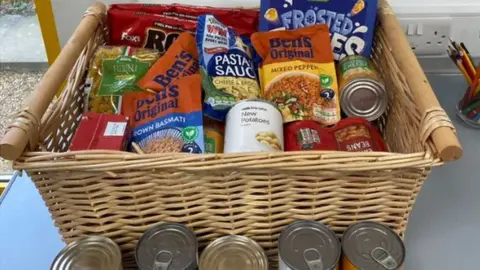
449	7
68	13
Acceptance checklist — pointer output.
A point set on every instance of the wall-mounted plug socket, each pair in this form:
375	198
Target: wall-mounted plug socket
427	35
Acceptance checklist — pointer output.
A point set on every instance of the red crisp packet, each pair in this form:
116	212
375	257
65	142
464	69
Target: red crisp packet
101	131
243	21
146	30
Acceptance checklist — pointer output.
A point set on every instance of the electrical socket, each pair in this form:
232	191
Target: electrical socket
427	35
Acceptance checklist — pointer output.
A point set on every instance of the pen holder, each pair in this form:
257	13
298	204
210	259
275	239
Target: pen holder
468	109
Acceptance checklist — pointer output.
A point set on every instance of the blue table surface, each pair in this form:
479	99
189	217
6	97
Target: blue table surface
442	233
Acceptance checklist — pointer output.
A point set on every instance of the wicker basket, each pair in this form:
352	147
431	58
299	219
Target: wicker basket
120	194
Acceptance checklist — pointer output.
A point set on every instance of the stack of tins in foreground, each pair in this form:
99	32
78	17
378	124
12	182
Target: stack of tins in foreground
92	252
254	126
308	245
371	246
167	246
233	252
303	245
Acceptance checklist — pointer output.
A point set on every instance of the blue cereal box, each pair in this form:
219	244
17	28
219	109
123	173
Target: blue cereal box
351	22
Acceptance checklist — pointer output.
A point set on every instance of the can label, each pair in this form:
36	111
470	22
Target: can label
356	66
254	126
347	265
213	141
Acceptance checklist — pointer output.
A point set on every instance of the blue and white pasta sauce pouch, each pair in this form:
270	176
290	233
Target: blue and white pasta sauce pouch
351	22
228	71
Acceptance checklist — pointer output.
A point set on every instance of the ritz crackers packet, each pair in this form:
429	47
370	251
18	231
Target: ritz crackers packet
351	22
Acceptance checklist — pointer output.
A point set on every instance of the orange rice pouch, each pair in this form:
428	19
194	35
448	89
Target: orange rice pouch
298	73
179	61
169	118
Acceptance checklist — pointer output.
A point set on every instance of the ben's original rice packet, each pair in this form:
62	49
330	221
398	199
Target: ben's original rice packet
170	120
226	65
179	61
298	73
351	22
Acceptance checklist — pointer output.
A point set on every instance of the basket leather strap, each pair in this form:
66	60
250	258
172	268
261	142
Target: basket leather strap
385	8
432	119
97	13
27	122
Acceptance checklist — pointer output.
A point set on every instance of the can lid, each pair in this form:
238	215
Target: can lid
233	252
305	245
256	100
365	98
91	252
167	246
372	246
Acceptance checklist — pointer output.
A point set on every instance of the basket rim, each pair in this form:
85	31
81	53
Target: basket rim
339	161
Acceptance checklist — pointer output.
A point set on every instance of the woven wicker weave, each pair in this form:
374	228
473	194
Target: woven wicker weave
121	194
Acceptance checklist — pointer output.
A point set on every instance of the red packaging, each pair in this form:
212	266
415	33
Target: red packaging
148	26
353	134
243	21
140	29
101	131
356	134
307	135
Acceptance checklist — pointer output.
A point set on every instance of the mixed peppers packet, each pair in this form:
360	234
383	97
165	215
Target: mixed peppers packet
298	73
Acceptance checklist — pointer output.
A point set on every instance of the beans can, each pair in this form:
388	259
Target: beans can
372	246
306	245
254	126
233	252
91	252
352	134
167	246
362	91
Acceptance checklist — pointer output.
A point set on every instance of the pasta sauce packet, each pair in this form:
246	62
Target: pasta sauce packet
226	65
298	73
351	22
169	120
179	61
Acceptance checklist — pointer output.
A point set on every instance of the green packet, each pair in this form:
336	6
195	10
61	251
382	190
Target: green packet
121	72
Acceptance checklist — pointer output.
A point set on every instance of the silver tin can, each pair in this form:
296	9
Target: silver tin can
306	245
170	246
362	92
233	252
372	246
91	252
254	125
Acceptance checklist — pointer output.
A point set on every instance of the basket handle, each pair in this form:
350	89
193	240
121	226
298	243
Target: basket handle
25	127
435	123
